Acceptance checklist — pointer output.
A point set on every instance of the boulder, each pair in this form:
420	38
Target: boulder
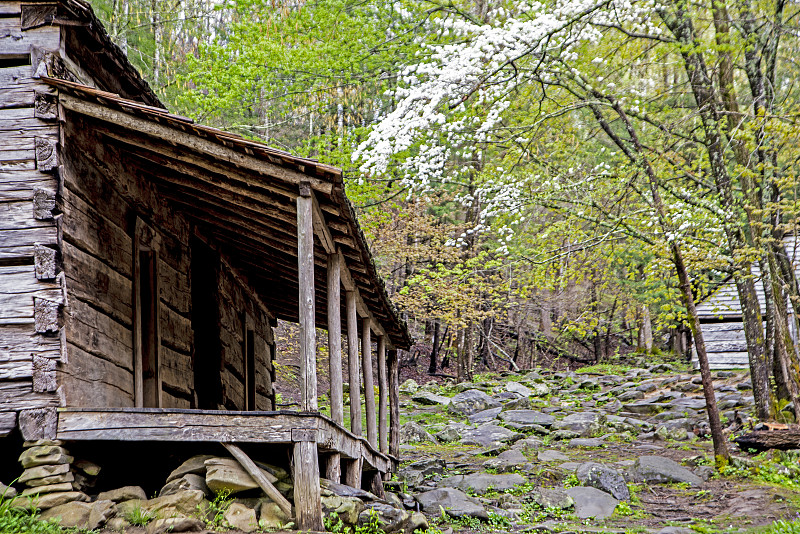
51	480
647	407
603	478
49	500
195	465
552	456
390	519
430	399
241	517
453	502
552	498
409	387
413	432
100	513
7	492
188	481
538	389
343	490
44	455
522	403
585	424
527	418
183	503
470	402
448	434
480	483
592	502
485	416
489	435
125	493
227	474
71	514
43	471
585	442
86	467
347	508
51	488
518	389
272	518
174	524
659	470
630	395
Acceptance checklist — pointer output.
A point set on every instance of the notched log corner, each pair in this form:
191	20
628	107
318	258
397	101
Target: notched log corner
44	375
45	262
45	315
45	106
46	154
38	423
44	203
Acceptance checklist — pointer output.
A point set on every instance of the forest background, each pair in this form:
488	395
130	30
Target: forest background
538	180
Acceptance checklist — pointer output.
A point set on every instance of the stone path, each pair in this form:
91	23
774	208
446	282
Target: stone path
541	451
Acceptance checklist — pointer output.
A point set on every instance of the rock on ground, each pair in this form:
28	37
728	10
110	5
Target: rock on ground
604	478
471	402
657	469
592	502
454	502
480	483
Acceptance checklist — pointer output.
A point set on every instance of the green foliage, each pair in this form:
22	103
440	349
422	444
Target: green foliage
139	517
25	519
215	512
782	527
571	481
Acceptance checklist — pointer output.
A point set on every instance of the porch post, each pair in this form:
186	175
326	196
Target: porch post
383	395
394	404
352	363
308	507
369	384
333	467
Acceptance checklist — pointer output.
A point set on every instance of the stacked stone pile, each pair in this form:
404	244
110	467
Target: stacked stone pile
50	474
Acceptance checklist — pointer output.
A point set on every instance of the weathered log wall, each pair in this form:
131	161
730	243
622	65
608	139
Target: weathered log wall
30	292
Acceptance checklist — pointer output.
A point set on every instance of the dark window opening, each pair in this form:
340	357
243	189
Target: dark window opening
14	60
207	361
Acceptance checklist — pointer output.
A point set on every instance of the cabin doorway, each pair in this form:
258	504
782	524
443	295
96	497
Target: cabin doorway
147	342
207	361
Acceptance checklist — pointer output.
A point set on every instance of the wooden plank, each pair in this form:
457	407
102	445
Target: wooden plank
92	381
47	38
93	281
333	467
19	185
18	288
394	404
19	243
383	396
85	228
308	505
19	395
353	363
335	339
163	425
352	472
258	475
177	371
99	334
8	422
369	383
176	330
321	227
175	291
193	142
18	215
21	340
305	265
9	8
16	366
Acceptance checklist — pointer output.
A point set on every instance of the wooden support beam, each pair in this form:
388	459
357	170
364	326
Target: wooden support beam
352	474
191	141
307	501
394	404
321	228
352	361
369	383
335	339
333	467
305	270
350	285
383	396
253	470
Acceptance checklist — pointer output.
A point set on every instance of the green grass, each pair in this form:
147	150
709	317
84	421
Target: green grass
25	520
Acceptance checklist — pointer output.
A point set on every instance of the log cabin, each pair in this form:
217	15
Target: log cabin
720	316
145	261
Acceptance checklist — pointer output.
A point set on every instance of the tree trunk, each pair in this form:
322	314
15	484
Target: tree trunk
645	330
434	348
